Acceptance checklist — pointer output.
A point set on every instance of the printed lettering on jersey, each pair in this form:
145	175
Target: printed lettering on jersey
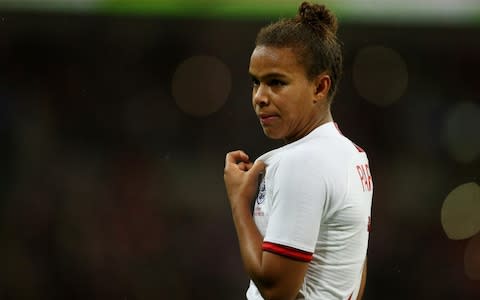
365	177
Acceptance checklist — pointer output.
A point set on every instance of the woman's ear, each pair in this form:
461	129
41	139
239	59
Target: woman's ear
322	86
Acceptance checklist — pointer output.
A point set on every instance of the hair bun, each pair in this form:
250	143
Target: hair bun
318	16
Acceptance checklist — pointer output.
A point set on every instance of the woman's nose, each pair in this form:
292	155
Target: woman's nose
260	95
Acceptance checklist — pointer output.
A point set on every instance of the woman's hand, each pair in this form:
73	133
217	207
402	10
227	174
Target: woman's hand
241	178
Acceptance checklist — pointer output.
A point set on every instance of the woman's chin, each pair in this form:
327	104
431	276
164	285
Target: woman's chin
272	134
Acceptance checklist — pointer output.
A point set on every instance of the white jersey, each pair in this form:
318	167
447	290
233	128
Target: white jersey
314	205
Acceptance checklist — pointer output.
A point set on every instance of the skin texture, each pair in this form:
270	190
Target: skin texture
289	106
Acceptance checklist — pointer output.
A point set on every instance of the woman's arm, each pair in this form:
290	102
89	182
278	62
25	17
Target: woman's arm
275	276
364	281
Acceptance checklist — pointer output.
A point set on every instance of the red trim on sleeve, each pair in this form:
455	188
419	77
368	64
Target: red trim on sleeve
286	251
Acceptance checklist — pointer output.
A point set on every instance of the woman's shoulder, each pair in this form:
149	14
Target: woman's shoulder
331	150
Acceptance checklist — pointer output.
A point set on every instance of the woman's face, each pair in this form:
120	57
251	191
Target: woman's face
283	98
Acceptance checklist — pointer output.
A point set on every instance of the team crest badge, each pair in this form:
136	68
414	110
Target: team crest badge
261	192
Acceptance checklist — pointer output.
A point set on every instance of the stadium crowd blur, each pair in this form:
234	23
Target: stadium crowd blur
114	131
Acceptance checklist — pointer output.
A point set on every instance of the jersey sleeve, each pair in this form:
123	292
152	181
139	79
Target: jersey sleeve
299	198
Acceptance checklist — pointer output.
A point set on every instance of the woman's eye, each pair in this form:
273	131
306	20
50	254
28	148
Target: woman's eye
276	82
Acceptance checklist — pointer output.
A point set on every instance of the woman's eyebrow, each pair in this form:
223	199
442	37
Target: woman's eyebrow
269	76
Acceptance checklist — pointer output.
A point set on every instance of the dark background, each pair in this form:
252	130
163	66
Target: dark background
108	190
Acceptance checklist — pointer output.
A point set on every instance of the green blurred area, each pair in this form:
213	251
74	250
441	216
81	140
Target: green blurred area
202	8
354	11
174	8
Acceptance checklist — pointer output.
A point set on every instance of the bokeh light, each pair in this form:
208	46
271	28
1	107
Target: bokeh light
460	213
380	75
201	85
472	258
461	135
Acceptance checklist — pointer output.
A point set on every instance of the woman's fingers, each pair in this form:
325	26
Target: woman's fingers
236	157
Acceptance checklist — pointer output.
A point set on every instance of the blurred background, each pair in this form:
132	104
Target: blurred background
115	117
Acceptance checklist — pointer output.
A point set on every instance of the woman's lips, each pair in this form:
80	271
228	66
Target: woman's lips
267	119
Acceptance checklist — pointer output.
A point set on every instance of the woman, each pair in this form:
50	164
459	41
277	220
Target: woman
308	236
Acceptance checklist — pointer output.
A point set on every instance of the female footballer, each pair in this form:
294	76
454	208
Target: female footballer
308	235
